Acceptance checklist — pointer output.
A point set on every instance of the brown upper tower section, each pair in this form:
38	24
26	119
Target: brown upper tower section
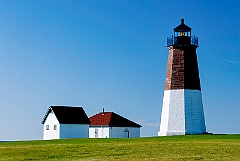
182	68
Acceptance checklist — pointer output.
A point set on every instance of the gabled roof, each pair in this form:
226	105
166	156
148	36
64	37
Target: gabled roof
68	115
182	27
111	119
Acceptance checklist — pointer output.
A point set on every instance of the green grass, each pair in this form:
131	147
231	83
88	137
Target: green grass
189	147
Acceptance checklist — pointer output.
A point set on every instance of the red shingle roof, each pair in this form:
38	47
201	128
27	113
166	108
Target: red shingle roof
111	119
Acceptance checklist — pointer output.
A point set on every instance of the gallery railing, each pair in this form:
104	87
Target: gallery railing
182	41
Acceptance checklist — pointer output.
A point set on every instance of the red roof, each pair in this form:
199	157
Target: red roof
111	119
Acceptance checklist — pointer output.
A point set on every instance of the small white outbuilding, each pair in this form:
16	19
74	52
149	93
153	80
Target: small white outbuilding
112	125
62	122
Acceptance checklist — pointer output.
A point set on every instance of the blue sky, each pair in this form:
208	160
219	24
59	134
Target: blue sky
113	55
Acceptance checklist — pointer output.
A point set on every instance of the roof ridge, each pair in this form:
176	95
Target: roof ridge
66	106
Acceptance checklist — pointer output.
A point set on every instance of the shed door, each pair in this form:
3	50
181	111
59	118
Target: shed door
96	132
126	133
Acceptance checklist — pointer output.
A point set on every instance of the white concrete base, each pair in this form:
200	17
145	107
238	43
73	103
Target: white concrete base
182	113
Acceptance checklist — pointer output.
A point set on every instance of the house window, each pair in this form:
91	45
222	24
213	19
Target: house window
47	127
55	127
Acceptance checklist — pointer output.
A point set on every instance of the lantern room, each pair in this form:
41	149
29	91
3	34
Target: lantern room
182	30
182	36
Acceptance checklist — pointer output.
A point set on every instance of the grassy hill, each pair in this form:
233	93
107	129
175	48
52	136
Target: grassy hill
189	147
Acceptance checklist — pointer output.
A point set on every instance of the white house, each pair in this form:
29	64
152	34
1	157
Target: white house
61	122
112	125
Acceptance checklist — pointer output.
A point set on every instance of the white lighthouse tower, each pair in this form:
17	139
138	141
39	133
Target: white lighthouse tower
182	109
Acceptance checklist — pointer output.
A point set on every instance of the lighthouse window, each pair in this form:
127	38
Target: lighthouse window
182	33
55	127
47	127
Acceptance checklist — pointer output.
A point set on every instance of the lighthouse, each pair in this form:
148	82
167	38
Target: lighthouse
182	108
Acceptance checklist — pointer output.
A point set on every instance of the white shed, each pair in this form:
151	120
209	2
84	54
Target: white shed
62	122
112	125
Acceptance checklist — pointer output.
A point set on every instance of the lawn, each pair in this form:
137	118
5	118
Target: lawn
189	147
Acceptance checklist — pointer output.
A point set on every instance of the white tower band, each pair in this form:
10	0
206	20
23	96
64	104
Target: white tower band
182	109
